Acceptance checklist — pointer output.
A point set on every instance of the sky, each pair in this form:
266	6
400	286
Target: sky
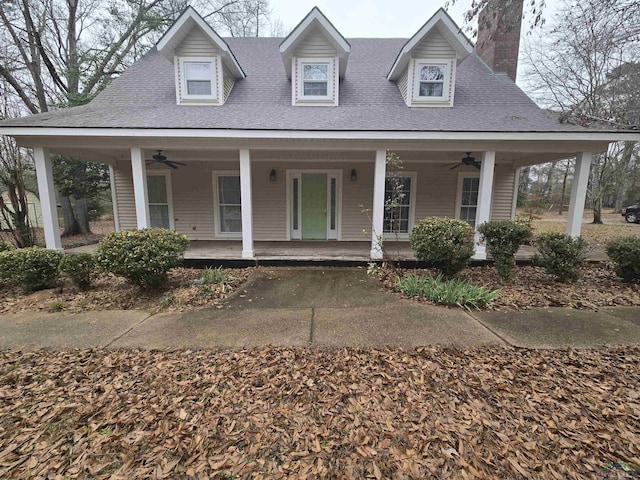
373	18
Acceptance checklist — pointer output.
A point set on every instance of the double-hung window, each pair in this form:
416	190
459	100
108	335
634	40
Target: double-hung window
468	199
228	204
432	80
199	79
315	81
398	204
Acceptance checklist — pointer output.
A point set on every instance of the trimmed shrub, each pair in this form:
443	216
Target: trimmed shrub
5	246
80	268
144	257
561	255
443	241
448	292
625	252
504	238
34	268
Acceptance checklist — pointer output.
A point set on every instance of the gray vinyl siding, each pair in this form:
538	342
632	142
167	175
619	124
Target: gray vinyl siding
193	191
228	82
123	179
315	45
434	45
197	44
403	84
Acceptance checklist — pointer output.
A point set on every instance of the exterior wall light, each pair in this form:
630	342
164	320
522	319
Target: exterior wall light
272	175
354	175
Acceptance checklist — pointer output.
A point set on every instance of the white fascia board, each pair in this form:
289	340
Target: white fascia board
185	23
588	136
313	18
449	29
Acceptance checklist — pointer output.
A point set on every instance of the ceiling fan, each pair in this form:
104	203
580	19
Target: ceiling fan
160	158
468	161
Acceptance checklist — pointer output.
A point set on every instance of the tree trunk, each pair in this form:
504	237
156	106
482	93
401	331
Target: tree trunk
597	211
71	226
548	183
564	189
82	215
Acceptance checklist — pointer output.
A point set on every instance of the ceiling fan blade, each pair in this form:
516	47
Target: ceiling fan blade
169	163
477	165
177	163
456	166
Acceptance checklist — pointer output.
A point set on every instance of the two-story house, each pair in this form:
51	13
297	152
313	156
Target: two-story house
244	142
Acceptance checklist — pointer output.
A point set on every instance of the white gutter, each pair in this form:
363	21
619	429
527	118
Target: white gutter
316	135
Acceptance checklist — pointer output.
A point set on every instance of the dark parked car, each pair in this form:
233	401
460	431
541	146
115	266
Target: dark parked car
632	213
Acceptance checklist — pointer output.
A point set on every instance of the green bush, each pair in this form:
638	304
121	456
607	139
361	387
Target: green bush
80	268
625	252
144	257
5	246
445	242
561	255
34	268
504	238
448	292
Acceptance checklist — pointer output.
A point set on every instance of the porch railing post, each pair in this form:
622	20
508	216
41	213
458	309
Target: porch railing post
377	215
140	192
48	201
485	194
578	194
246	205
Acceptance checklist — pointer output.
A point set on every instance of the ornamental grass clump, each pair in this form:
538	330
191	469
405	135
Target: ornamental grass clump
144	257
561	255
444	242
504	238
453	291
625	253
34	268
80	268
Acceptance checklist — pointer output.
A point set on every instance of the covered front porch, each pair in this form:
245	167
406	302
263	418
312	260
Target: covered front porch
307	251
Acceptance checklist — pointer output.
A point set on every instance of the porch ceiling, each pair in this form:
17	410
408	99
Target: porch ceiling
110	150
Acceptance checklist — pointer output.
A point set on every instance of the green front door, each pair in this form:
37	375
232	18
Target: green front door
314	206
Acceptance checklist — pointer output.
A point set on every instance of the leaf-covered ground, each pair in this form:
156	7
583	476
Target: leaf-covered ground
111	292
282	413
598	286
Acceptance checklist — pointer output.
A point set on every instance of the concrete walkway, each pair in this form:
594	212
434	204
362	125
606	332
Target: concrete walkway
330	307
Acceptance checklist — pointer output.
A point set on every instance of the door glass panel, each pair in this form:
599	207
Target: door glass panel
333	204
469	200
157	188
295	203
229	204
159	216
230	219
229	190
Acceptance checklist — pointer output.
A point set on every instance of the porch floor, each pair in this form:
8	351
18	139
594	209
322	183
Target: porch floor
308	251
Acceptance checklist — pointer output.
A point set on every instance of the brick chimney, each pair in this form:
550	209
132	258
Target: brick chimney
499	35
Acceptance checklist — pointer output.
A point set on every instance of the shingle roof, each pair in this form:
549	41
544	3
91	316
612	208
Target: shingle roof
144	97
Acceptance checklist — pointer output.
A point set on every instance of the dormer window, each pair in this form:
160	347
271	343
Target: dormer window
432	80
199	79
316	80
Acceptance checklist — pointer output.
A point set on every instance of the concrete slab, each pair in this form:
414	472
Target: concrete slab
630	314
310	287
399	324
61	330
210	328
560	327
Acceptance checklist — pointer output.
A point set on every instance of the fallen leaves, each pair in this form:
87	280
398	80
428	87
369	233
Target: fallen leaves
280	412
111	292
598	286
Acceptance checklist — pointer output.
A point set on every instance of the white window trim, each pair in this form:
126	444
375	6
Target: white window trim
331	234
167	175
216	204
215	80
412	205
461	177
332	81
446	84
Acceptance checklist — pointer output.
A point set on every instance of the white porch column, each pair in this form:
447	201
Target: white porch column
578	194
139	170
246	205
47	198
485	193
377	214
